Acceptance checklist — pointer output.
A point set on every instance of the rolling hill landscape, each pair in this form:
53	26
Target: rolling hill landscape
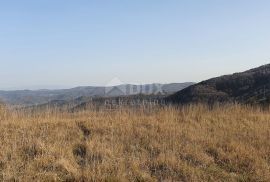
140	137
249	87
37	97
199	113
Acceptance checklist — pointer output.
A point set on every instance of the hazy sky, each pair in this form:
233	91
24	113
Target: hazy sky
65	43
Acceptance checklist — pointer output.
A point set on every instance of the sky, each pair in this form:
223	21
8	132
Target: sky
67	43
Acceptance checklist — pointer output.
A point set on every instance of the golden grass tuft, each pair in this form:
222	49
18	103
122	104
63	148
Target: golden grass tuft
191	143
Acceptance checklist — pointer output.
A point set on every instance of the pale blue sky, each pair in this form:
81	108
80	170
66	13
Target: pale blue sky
66	43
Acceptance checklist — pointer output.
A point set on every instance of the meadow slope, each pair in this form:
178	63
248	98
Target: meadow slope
191	143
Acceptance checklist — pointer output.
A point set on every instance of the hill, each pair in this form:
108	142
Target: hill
37	97
249	87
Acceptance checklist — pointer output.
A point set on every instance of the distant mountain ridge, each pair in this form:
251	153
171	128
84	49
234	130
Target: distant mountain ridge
249	87
36	97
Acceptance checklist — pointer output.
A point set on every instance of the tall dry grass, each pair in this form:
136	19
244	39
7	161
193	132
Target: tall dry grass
192	143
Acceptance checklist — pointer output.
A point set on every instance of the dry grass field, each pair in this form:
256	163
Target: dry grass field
192	143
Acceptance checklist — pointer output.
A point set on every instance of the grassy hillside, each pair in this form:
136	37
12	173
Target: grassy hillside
193	143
